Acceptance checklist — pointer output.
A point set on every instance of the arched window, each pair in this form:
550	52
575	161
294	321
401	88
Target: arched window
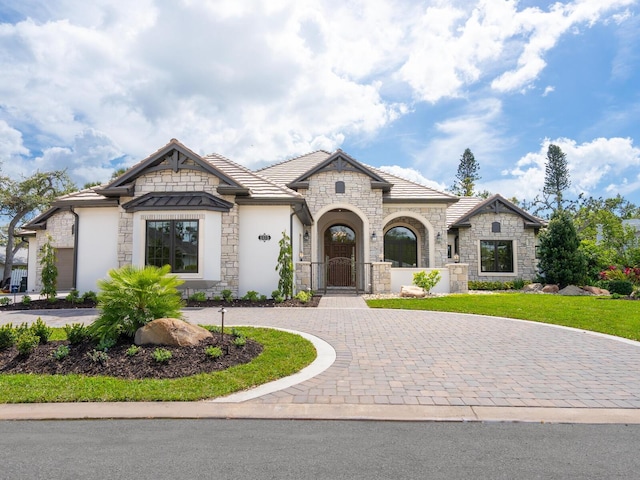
340	187
401	247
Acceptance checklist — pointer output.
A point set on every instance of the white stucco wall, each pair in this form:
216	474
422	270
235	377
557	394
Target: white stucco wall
258	258
97	246
404	276
32	265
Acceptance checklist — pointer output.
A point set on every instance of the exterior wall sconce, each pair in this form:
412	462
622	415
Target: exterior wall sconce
301	255
439	237
305	237
374	237
456	258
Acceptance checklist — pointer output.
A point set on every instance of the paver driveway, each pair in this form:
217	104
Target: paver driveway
397	357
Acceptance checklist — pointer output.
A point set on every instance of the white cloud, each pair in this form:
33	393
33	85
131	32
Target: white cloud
259	81
590	165
477	129
412	175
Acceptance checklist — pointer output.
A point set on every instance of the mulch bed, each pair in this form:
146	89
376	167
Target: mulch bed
62	303
185	361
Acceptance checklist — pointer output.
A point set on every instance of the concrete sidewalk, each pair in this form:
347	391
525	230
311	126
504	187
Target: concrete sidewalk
409	365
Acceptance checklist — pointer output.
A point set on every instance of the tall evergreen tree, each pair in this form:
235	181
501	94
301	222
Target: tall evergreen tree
556	175
467	175
560	259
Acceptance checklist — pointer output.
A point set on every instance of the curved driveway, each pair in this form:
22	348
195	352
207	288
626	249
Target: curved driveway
412	358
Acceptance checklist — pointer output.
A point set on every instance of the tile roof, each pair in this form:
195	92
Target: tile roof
289	170
259	186
461	208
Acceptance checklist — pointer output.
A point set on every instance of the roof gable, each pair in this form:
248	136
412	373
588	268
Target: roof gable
340	162
173	156
497	204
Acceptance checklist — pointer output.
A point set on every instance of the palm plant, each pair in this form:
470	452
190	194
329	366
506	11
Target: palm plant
132	297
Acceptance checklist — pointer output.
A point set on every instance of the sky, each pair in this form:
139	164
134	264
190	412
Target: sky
404	85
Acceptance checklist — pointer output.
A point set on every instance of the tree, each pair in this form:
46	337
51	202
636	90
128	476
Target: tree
556	175
467	175
561	260
49	271
20	200
285	267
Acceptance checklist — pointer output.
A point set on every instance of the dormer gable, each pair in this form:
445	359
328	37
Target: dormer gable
340	162
174	156
498	204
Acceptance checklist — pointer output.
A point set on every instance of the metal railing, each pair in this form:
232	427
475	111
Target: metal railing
341	274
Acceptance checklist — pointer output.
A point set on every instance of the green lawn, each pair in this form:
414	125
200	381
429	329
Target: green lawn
600	314
284	354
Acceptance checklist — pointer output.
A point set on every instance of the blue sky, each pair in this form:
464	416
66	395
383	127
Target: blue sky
403	85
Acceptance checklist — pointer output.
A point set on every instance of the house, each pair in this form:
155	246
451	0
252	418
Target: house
218	224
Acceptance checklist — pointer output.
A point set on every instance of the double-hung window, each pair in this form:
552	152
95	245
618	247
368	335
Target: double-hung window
496	256
174	243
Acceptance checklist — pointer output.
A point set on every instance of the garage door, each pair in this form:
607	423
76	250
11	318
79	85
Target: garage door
64	262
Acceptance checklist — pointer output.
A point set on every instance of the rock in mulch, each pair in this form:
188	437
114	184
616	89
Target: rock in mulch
595	290
170	331
550	289
572	291
411	291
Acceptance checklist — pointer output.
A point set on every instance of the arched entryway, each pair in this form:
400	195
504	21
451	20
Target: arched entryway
340	251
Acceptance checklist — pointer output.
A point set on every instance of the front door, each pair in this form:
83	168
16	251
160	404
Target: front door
340	256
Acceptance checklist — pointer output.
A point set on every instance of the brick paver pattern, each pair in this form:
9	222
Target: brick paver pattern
400	357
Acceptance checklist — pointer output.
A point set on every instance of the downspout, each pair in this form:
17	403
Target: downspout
76	224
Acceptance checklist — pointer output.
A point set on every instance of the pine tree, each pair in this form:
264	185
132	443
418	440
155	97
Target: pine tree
556	174
467	175
561	260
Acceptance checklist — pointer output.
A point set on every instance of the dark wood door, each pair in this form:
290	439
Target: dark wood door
341	257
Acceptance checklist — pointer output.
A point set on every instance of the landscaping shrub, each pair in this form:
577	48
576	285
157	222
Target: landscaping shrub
133	297
61	352
277	296
621	287
26	300
239	342
425	280
303	296
73	296
198	297
76	333
90	296
7	336
98	356
227	295
211	328
213	352
5	300
49	274
40	329
133	350
161	355
27	342
251	296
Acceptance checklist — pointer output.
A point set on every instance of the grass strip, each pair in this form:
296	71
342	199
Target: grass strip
599	314
284	354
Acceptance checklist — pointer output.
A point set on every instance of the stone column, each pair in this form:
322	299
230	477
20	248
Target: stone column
381	277
302	276
458	277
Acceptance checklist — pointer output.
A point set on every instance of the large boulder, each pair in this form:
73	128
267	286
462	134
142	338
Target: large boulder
532	288
595	290
170	331
411	291
550	289
572	291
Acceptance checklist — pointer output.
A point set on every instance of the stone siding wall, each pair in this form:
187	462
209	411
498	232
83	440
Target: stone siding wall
358	192
381	281
60	228
511	228
434	214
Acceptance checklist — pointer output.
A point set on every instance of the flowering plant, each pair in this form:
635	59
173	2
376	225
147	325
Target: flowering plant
630	274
